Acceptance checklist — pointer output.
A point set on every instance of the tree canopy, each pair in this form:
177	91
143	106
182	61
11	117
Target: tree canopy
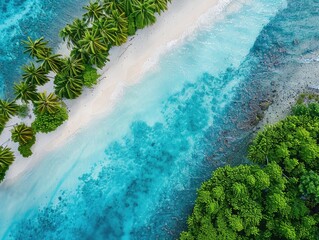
277	199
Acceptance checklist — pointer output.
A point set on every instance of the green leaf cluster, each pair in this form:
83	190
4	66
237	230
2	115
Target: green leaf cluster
6	159
25	136
47	122
90	76
25	149
277	199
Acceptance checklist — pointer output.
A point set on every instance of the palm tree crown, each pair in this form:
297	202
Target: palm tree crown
51	62
92	42
37	47
35	75
74	32
94	11
47	103
72	66
106	30
8	108
22	134
68	87
144	13
160	5
6	157
25	91
112	5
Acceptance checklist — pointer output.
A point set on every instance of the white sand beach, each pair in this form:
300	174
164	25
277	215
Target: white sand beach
127	64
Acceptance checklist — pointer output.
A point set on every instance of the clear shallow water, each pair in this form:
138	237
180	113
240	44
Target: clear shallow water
133	174
22	18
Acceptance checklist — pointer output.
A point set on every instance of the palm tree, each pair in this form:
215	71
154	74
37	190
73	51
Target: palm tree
74	32
6	157
144	13
120	22
8	109
34	75
25	91
65	34
3	122
160	5
127	6
51	62
36	48
112	5
22	134
80	53
106	29
72	66
47	103
93	43
94	11
68	87
99	59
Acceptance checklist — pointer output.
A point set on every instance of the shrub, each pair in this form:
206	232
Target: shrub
90	76
25	149
48	122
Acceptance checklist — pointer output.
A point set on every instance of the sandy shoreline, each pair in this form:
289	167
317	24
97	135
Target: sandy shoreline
126	67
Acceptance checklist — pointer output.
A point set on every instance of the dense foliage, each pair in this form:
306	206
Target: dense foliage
22	133
48	122
6	159
277	199
25	149
25	136
90	76
8	109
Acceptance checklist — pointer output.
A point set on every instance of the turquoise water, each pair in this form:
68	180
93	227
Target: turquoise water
22	18
134	173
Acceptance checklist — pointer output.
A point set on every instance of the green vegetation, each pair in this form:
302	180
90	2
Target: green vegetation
8	109
25	149
106	23
276	199
6	159
3	122
25	91
34	75
48	122
90	76
22	133
68	87
47	103
25	136
307	97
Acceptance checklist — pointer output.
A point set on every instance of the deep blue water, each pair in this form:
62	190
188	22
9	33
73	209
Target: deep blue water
134	174
36	18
